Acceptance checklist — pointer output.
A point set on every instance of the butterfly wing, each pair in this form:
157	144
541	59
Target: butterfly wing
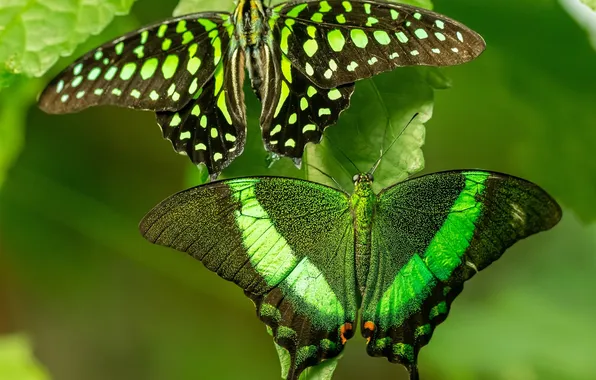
431	234
295	111
211	128
286	242
335	42
159	67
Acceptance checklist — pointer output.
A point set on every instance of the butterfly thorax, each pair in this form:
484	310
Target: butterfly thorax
249	17
252	33
362	204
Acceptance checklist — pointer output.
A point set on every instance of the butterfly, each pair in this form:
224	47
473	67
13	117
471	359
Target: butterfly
302	59
316	260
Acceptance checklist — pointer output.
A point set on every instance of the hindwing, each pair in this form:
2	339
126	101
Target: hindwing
295	111
211	128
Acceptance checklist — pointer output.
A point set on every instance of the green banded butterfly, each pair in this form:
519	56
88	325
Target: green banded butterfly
317	261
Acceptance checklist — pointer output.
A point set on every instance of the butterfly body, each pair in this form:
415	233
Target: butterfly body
362	206
316	261
250	34
302	59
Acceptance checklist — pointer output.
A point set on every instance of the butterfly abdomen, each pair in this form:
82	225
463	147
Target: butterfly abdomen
363	207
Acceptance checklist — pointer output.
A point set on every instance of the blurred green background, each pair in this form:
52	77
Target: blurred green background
99	302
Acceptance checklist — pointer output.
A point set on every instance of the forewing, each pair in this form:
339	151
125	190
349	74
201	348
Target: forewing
159	67
211	128
336	42
288	243
295	111
430	235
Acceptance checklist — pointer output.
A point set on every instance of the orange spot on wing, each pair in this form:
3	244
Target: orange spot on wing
369	326
345	328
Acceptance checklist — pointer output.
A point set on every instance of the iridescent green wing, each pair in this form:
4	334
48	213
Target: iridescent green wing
431	234
295	111
288	243
159	67
211	128
335	42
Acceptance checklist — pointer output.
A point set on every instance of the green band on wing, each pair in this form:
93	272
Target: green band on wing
411	287
268	251
444	252
307	284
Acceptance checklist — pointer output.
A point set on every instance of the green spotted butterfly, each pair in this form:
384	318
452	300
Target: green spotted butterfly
315	260
302	59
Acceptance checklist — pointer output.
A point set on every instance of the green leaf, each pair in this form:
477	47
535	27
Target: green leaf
381	109
193	6
590	3
17	361
14	104
196	177
36	33
323	371
6	79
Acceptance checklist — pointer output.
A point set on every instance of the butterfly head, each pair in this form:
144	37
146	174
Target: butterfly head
363	178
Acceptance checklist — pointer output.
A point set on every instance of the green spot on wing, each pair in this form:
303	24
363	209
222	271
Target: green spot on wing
162	30
77	81
270	311
382	37
324	6
207	24
94	73
317	17
284	332
119	48
149	67
296	10
404	350
441	308
422	330
359	38
169	66
310	47
383	342
128	70
181	26
328	345
336	40
109	75
304	353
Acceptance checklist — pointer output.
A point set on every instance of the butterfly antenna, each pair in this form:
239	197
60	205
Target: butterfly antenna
326	175
343	154
372	171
